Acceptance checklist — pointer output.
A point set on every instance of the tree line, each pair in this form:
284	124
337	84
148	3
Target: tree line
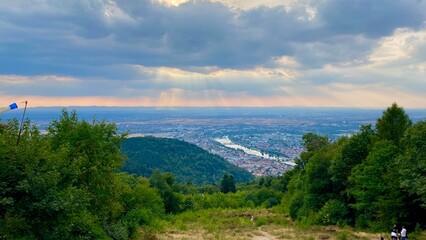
372	179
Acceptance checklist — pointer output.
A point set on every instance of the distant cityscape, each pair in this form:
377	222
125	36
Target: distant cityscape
278	137
265	141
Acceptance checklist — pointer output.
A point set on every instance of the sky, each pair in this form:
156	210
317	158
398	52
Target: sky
249	53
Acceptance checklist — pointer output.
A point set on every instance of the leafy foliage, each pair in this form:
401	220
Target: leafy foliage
372	179
64	185
353	151
412	163
375	187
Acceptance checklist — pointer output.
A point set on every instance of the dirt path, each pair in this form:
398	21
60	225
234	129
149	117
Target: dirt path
264	236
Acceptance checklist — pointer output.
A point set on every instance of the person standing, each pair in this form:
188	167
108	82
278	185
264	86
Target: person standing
394	233
404	233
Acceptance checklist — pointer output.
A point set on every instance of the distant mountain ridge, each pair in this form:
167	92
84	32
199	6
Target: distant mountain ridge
187	162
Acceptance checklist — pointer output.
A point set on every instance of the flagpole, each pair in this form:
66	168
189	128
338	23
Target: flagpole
22	123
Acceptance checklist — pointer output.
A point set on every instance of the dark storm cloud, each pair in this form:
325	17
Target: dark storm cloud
89	38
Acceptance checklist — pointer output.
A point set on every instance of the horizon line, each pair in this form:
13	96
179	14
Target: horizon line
258	107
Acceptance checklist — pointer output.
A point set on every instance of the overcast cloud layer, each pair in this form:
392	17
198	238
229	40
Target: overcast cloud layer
213	53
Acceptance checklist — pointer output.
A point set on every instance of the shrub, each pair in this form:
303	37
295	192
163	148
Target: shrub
270	202
260	221
342	236
334	212
295	204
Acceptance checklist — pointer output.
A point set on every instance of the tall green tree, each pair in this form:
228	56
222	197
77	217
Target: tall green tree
353	152
412	164
312	143
93	153
393	123
227	185
375	187
165	185
309	175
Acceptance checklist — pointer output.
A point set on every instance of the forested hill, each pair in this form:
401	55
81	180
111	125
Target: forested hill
187	162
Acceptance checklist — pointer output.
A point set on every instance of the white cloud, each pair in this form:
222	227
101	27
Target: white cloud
207	51
259	80
404	46
242	4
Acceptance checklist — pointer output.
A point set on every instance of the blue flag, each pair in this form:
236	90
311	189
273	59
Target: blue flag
8	108
13	106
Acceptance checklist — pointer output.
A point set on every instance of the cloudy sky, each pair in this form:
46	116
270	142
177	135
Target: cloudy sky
344	53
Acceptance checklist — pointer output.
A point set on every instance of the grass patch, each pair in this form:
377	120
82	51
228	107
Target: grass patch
261	221
342	236
248	224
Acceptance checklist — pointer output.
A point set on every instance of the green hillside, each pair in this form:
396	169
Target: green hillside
187	162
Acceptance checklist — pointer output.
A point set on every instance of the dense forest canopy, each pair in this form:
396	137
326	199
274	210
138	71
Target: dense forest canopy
187	162
68	183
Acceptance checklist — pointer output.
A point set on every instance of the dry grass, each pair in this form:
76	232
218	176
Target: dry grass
268	232
237	225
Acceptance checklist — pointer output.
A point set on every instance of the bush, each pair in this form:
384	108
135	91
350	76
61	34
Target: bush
342	236
270	202
138	217
260	221
334	212
296	203
117	231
